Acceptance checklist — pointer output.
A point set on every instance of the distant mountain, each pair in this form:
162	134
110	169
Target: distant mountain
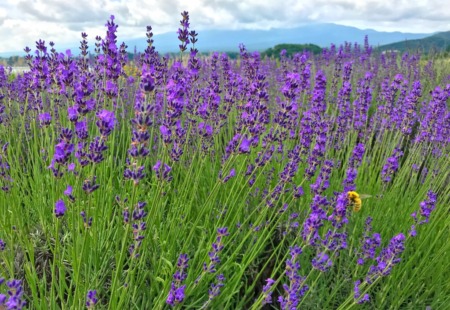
319	34
438	42
228	40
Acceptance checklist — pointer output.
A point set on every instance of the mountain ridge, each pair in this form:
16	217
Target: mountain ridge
321	34
438	42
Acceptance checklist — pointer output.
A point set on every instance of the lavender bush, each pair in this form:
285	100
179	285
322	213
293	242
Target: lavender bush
202	182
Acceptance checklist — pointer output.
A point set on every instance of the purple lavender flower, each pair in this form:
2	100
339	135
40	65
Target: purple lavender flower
204	129
81	129
216	248
298	191
182	265
106	122
96	149
91	299
60	208
72	112
162	171
63	150
68	193
166	134
45	119
297	287
245	146
267	291
134	173
391	165
369	243
2	245
388	257
176	293
68	190
322	262
87	222
215	287
111	89
310	228
15	292
426	207
183	32
412	231
230	175
89	185
357	293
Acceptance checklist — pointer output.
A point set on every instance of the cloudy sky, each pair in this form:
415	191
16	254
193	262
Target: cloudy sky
22	22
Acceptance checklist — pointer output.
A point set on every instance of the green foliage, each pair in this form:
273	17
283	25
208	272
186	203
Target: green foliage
291	49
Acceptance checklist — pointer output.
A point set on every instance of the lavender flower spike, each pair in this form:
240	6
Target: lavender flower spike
60	208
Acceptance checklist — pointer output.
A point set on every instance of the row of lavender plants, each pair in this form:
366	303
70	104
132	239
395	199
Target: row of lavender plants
308	182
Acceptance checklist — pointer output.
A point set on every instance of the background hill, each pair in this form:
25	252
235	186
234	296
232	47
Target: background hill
438	42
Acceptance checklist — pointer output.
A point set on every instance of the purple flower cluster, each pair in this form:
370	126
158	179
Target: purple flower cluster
388	257
296	288
138	225
323	180
314	221
176	293
15	298
63	149
357	293
162	171
215	287
45	119
352	169
91	299
391	166
90	185
426	207
369	243
267	291
281	127
217	247
86	221
434	126
60	208
106	122
142	121
5	179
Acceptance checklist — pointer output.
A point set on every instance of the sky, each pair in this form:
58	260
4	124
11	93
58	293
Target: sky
22	22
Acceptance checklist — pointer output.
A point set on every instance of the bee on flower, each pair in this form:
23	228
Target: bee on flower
355	200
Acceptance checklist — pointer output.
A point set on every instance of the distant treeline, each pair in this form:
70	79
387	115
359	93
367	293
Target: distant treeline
291	49
13	61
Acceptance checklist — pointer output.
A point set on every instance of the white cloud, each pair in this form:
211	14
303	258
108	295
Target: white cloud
22	22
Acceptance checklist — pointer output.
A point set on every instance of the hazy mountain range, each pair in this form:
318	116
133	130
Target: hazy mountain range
320	34
228	40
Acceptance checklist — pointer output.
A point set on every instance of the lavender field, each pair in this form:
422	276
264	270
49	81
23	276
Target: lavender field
203	182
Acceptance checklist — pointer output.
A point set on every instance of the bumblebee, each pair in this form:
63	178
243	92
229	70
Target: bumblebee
354	200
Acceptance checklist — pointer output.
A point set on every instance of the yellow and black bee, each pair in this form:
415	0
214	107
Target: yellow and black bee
355	200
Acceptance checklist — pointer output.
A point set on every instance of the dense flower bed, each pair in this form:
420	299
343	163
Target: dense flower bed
316	182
